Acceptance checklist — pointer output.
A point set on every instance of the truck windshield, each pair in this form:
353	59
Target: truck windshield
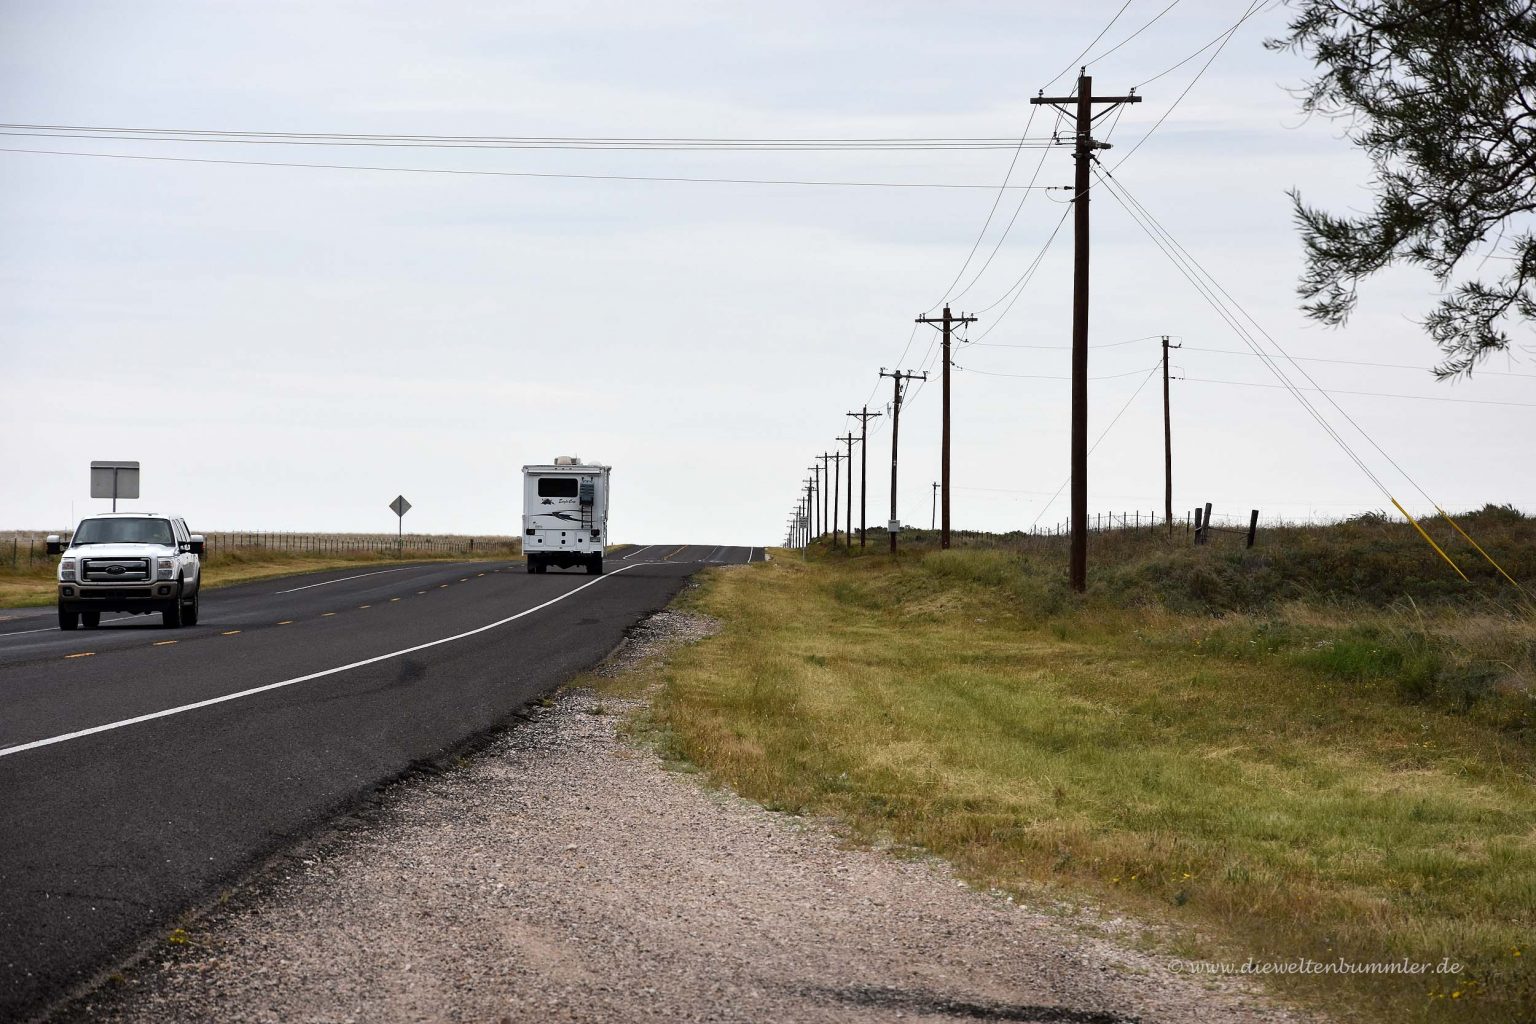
124	531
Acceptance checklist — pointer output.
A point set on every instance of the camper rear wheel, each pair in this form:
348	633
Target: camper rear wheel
595	565
533	564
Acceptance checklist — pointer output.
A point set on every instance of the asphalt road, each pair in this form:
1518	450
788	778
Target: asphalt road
142	768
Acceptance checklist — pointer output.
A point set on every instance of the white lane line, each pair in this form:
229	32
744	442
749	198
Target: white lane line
711	556
124	723
55	629
632	554
344	579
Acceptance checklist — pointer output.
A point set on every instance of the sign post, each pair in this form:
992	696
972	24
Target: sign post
114	480
400	507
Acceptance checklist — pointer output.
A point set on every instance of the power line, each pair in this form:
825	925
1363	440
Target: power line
1133	35
1076	60
1252	9
1352	362
990	213
1100	440
520	142
1039	376
1217	38
510	174
1068	348
1369	394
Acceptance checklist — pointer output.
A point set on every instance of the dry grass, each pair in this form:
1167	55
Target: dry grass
1271	799
32	585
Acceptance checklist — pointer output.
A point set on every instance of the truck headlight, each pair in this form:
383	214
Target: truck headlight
67	568
167	567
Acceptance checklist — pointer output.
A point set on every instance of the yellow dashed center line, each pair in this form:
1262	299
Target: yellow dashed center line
393	599
286	622
442	586
421	591
668	555
166	643
326	614
479	574
82	654
229	632
365	606
464	580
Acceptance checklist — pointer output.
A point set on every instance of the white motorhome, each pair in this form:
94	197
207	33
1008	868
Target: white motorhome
565	514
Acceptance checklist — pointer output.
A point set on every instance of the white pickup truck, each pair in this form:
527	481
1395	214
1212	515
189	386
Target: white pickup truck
135	562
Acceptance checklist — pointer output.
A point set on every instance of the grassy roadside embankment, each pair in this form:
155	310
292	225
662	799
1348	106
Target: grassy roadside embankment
25	585
1308	773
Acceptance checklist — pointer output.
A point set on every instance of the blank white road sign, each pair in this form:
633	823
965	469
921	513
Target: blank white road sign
400	505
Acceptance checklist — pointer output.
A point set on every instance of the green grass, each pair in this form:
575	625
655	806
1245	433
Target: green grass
1340	775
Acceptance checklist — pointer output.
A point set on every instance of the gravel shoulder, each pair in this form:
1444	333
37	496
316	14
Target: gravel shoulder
563	873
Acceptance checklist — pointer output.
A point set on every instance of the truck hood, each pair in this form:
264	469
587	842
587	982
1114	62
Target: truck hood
120	551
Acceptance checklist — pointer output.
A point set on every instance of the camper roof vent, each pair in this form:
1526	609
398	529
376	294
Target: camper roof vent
567	460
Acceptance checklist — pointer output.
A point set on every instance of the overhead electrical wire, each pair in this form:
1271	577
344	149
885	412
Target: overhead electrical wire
1368	394
1002	190
1133	35
522	142
1076	61
1251	12
1224	40
1042	376
1144	218
1091	448
509	174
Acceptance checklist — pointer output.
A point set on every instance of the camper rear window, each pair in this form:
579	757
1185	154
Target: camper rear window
557	487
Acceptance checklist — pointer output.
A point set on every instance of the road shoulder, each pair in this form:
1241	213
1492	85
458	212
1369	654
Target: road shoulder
565	873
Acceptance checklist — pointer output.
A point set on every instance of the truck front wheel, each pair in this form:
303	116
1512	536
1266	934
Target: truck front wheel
90	619
68	620
171	618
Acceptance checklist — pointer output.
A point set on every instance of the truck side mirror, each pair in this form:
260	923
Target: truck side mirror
55	545
197	543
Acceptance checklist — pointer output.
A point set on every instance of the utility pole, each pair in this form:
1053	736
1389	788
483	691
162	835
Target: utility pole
826	476
864	418
898	377
837	466
816	485
848	530
947	321
932	513
1083	153
1167	442
810	492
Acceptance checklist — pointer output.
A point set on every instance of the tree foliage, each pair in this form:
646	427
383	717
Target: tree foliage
1441	95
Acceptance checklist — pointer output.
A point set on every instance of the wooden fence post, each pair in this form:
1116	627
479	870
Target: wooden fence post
1253	526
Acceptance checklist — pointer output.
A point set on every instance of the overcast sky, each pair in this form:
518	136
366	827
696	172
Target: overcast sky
289	348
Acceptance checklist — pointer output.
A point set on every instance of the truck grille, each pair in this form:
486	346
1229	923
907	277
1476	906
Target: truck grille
115	570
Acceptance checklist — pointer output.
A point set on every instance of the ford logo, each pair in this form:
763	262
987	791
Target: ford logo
116	570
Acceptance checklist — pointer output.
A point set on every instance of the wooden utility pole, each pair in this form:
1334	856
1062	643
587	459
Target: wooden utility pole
1083	152
864	417
848	518
837	465
933	511
1167	442
946	322
826	476
810	503
898	377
